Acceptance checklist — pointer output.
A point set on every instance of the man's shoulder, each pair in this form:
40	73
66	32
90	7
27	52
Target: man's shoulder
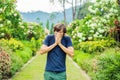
66	36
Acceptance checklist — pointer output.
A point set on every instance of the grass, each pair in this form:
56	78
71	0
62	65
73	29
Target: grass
35	70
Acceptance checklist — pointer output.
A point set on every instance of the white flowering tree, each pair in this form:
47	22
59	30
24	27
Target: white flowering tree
96	25
9	18
11	24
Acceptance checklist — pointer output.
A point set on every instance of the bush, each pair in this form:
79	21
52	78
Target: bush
108	67
5	63
96	46
33	44
25	54
16	64
12	44
104	66
82	58
19	53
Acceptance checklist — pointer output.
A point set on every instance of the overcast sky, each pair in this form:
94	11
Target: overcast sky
35	5
39	5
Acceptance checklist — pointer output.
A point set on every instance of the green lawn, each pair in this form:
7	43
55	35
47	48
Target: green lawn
35	70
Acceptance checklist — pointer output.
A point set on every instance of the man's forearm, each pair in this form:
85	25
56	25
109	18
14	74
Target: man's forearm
70	52
47	49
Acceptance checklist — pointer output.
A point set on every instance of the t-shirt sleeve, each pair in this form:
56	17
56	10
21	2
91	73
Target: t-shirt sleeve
46	41
69	42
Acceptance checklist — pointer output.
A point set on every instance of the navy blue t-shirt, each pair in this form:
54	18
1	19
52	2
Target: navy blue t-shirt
56	57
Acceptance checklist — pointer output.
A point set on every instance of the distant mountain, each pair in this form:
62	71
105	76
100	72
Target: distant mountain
40	16
43	17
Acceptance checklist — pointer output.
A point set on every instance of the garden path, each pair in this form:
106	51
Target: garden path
34	70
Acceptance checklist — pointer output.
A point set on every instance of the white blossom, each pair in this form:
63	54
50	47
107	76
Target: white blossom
100	36
80	40
75	34
1	25
76	28
79	35
111	10
107	16
96	4
104	20
99	24
15	14
83	38
0	19
115	11
28	31
19	19
90	9
89	38
72	32
2	34
100	30
20	23
34	32
87	22
96	9
8	22
111	14
73	37
69	25
95	35
30	27
93	25
0	10
92	31
101	2
22	27
102	9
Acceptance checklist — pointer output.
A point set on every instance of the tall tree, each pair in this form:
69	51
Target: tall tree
74	4
47	25
73	8
62	2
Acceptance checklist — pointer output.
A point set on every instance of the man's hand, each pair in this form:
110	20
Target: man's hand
58	38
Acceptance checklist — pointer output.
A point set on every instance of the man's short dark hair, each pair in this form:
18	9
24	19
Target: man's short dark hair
60	26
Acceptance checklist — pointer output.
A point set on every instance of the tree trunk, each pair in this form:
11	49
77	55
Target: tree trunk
64	12
72	10
78	15
75	9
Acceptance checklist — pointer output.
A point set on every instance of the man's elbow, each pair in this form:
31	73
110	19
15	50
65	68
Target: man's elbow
72	55
42	52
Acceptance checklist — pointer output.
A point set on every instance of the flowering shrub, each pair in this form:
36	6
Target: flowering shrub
9	18
19	54
97	25
104	7
28	30
86	30
20	39
12	26
103	66
96	46
13	44
5	63
107	67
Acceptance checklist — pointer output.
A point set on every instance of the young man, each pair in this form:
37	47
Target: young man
57	46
